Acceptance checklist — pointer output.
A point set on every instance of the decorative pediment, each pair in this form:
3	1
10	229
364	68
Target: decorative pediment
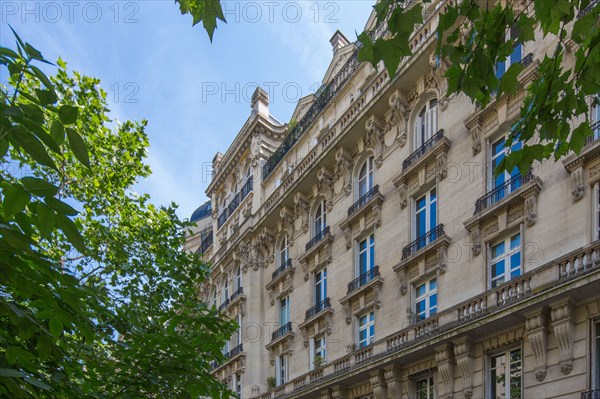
340	57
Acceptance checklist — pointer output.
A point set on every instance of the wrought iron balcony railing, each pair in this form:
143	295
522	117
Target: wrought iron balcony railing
363	279
422	150
237	293
527	60
325	95
206	243
224	304
222	218
235	202
281	268
319	307
363	200
317	238
281	331
501	191
247	187
594	394
234	352
423	241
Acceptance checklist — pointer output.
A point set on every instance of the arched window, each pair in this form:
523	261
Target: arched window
320	218
284	250
425	123
365	177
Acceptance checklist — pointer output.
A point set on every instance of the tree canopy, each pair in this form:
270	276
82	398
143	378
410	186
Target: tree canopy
97	297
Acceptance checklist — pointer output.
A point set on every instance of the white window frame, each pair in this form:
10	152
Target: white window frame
370	243
595	116
215	298
369	318
365	177
430	387
284	250
320	285
226	290
238	278
238	332
488	375
508	36
284	310
426	298
508	252
317	347
320	218
281	369
425	124
427	209
237	384
492	157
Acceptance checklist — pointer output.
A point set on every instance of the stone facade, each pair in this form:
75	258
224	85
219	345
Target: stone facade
441	281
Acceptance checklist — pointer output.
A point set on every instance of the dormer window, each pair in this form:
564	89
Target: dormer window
425	123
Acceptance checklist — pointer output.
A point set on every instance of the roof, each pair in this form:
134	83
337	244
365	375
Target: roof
202	211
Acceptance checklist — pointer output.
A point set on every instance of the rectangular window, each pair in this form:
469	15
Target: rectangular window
498	153
426	299
320	286
320	353
425	218
596	357
505	260
366	254
238	385
281	369
514	57
425	389
238	333
284	311
595	119
366	329
505	378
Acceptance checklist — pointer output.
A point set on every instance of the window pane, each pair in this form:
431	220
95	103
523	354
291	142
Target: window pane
515	241
498	250
498	269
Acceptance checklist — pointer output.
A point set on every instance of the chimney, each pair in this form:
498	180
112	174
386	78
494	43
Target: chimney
260	102
338	40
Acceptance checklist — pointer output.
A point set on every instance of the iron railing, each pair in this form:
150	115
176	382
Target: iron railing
247	187
325	95
235	202
593	394
501	191
206	243
423	149
423	241
224	304
281	268
588	9
363	279
222	218
595	133
237	293
527	60
319	307
317	238
234	352
281	331
363	200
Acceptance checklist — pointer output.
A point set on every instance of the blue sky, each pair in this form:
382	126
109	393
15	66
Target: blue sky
154	65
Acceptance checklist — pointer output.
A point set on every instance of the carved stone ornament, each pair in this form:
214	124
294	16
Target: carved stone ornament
394	381
537	335
348	237
325	186
301	210
577	184
343	165
375	138
444	356
378	385
442	166
403	191
531	210
348	312
286	216
563	328
463	352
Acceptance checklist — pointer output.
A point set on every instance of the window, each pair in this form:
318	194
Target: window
320	286
596	211
514	57
505	260
366	254
425	123
366	329
365	177
595	117
284	310
320	218
426	299
238	332
505	379
499	151
425	218
284	250
318	352
425	388
596	356
225	294
238	278
281	369
237	383
214	299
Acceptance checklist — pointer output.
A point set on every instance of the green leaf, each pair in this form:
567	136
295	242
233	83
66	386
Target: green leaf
67	114
15	199
45	220
32	145
57	132
60	206
41	76
508	82
78	147
56	327
46	97
71	232
11	373
39	187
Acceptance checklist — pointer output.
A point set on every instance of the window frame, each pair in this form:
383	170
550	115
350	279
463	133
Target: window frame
506	351
319	218
426	298
284	310
429	203
431	392
511	34
369	327
320	293
492	182
369	252
284	249
282	366
595	355
506	239
425	123
364	182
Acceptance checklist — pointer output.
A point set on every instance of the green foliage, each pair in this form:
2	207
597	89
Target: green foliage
554	117
97	297
271	382
207	11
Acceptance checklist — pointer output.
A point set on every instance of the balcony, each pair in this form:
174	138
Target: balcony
415	156
235	202
363	280
318	252
319	315
229	357
367	205
423	241
594	394
317	238
500	192
363	292
286	265
282	334
362	201
281	281
206	243
224	305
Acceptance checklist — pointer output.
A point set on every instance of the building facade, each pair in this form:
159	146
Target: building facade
368	251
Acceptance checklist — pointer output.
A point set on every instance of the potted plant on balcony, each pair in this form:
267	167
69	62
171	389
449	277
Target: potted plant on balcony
270	383
318	362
